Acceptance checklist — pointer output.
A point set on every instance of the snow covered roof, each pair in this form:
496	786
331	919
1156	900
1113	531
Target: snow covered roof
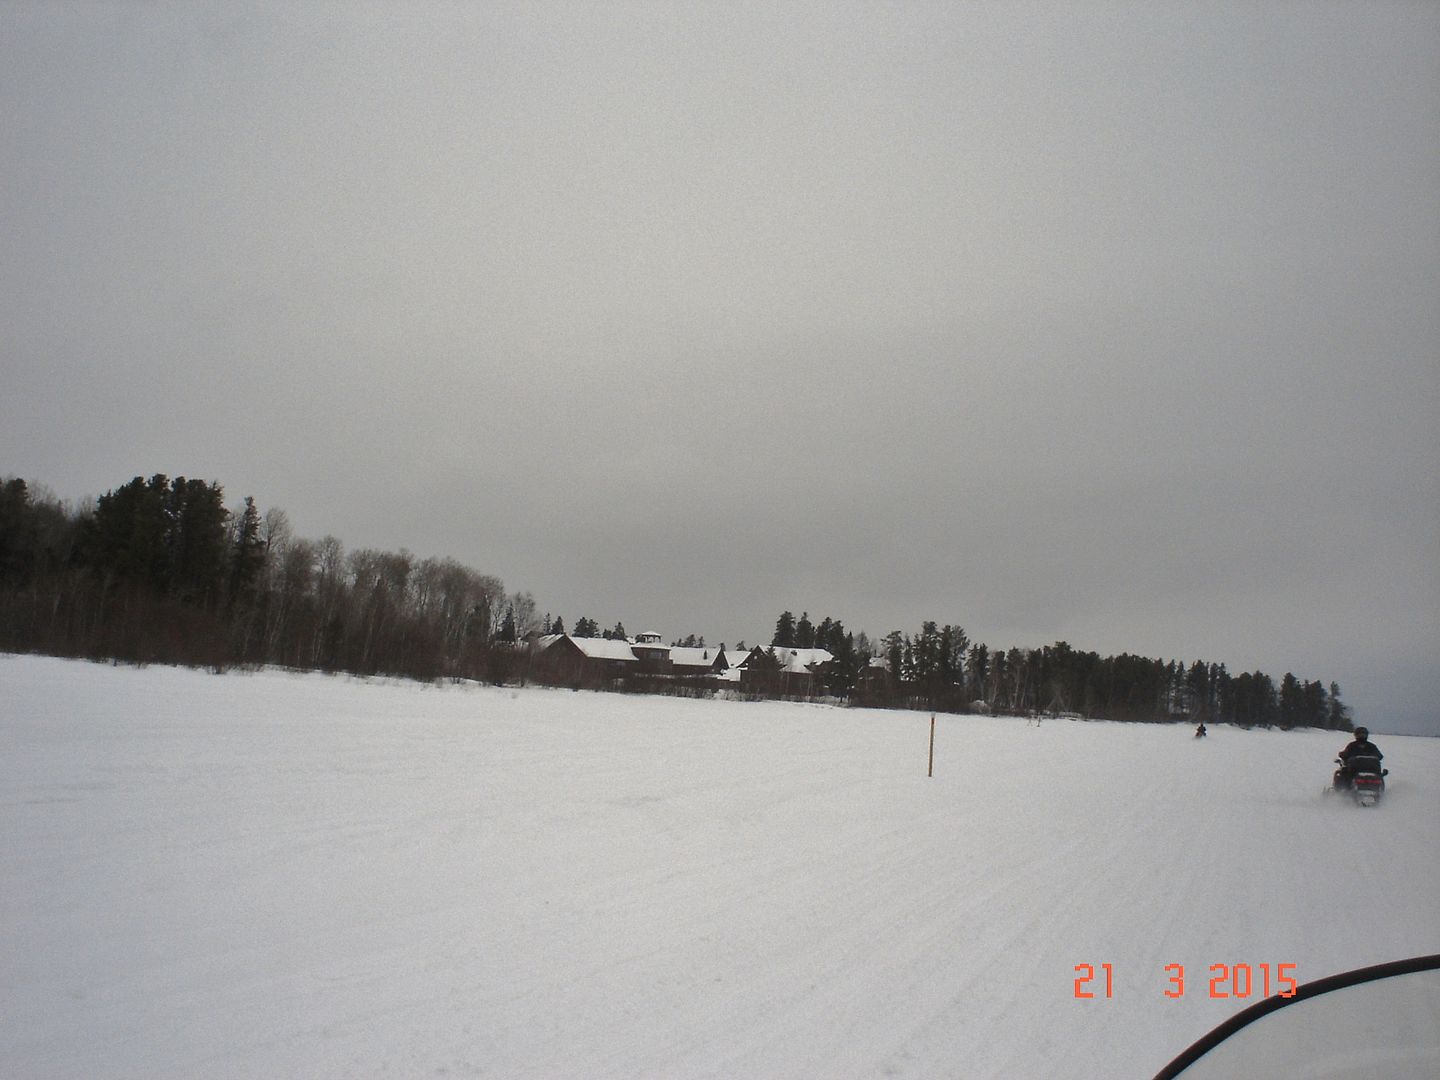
593	647
691	657
797	660
605	648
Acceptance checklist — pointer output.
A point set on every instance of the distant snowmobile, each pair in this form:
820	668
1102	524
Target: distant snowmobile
1200	731
1362	777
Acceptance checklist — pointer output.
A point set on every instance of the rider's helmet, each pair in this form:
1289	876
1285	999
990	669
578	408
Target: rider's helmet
1362	733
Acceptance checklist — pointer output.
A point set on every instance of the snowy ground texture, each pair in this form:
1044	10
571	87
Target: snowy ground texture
278	875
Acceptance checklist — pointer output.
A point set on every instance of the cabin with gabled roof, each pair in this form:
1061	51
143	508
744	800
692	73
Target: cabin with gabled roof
770	669
572	661
700	662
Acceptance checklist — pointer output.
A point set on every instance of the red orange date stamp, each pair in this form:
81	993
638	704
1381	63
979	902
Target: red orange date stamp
1238	981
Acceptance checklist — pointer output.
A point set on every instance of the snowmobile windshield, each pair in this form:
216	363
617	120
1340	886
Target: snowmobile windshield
1374	1022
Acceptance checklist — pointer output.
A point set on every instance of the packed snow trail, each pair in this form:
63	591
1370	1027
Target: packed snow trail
288	875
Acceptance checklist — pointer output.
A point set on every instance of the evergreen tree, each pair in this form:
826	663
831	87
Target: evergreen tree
169	536
247	554
763	672
1000	680
1197	691
845	665
196	540
1020	688
785	631
893	645
1255	701
1057	682
1222	691
824	634
925	656
952	646
1292	705
17	531
804	632
1339	713
978	666
1316	707
123	540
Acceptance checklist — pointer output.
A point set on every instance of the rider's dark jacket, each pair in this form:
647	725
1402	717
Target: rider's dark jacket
1360	748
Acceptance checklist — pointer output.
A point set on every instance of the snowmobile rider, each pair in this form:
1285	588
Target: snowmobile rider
1360	746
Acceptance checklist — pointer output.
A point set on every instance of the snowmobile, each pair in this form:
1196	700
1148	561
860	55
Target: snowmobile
1363	778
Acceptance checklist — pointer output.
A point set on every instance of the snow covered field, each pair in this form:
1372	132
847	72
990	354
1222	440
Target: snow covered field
278	875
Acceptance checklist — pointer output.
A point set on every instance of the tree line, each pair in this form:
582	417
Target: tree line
159	570
940	668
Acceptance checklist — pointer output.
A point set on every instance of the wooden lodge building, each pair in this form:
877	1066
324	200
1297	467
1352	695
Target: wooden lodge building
771	671
784	671
575	661
763	670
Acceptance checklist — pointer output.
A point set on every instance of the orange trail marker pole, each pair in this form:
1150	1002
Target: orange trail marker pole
932	746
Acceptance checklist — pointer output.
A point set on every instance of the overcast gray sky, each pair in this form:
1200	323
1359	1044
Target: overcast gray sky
1109	323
